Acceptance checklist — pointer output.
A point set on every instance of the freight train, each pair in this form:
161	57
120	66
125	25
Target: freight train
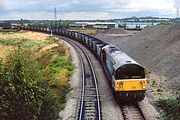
125	75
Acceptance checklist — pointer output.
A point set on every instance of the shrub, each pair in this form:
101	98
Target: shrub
21	95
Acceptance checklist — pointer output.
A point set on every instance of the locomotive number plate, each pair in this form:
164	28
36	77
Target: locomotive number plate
133	87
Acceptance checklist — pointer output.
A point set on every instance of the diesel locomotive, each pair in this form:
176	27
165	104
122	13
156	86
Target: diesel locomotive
125	75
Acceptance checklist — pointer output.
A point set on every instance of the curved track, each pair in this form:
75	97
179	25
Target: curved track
89	107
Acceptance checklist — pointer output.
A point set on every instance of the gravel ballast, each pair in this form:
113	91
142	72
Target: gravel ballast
71	107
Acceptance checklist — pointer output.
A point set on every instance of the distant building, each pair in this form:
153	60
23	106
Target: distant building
135	25
145	19
154	19
95	25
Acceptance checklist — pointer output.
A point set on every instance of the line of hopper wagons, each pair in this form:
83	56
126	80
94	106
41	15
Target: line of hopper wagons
126	76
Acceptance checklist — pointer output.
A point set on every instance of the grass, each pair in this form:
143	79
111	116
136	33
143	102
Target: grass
5	50
24	35
15	39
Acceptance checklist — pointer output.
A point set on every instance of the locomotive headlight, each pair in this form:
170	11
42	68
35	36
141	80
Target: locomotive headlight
143	84
119	85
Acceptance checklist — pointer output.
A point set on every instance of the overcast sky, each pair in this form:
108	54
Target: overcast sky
86	9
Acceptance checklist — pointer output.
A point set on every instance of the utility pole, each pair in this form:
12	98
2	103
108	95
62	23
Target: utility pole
55	18
55	14
51	30
177	12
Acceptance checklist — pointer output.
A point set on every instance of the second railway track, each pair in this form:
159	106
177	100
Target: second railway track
89	106
132	112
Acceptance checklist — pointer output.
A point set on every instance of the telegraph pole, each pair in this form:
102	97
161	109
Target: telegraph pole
177	12
55	18
55	14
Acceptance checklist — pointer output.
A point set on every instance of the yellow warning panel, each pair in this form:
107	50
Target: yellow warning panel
130	85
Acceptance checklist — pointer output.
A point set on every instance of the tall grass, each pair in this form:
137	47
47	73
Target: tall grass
23	43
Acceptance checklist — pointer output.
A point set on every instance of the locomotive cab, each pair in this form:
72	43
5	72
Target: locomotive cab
129	81
126	76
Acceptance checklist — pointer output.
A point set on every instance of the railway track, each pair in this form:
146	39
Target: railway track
89	106
132	112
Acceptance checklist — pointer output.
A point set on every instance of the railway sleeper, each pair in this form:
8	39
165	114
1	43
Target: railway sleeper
89	117
90	111
90	100
89	86
90	92
90	95
90	106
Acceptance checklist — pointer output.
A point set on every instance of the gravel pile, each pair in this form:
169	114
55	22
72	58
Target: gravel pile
157	48
116	31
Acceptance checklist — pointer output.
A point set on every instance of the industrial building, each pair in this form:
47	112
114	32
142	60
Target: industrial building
95	25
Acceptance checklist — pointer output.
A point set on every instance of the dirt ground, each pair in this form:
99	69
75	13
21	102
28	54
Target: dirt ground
157	48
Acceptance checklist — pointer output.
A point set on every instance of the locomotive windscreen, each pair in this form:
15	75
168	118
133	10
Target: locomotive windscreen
130	71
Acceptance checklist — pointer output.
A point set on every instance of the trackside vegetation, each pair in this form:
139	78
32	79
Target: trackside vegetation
170	108
34	79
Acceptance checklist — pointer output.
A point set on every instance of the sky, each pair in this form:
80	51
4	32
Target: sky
86	9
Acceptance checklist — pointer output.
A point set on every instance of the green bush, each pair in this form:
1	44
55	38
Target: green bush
170	107
21	96
60	64
25	92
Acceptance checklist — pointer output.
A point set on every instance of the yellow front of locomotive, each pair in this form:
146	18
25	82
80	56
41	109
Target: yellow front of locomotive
130	85
130	82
